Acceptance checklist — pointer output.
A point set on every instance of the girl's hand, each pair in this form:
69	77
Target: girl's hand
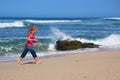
38	44
35	41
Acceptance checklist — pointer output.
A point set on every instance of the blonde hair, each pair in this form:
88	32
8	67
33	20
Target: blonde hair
31	30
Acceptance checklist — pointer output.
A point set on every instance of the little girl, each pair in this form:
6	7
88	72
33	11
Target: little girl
29	45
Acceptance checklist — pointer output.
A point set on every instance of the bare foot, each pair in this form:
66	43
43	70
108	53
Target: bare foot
19	60
38	62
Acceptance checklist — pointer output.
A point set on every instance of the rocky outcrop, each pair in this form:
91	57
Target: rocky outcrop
72	45
90	45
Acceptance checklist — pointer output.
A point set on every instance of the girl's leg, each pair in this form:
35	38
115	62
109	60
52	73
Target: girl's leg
24	52
34	55
22	55
32	51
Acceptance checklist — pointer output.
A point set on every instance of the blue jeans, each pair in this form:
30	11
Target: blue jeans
26	49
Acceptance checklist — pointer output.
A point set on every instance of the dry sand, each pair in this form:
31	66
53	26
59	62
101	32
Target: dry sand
104	65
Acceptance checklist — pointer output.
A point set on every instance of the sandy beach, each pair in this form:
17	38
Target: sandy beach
104	65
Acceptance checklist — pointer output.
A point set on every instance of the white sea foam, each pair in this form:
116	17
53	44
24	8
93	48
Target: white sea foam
112	41
51	47
113	18
52	21
12	24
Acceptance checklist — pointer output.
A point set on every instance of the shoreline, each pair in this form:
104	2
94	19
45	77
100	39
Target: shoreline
101	65
29	56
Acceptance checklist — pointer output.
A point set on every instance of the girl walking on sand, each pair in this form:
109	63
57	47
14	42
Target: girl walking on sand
29	45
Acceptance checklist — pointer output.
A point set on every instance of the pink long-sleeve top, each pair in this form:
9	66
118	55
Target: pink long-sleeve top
31	40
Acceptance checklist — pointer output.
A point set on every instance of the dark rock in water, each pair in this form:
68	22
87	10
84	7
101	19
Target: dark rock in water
72	45
68	45
89	45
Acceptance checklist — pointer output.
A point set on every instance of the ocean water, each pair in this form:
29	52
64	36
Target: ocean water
101	31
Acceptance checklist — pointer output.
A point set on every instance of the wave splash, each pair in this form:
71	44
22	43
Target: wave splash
112	41
59	35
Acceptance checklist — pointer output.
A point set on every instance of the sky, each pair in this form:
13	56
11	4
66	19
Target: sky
59	8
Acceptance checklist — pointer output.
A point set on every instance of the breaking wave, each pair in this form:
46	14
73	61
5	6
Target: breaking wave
112	41
12	24
113	18
52	21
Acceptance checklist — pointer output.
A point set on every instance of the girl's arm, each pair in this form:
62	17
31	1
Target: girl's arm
34	40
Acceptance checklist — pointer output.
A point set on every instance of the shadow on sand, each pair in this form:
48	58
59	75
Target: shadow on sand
28	63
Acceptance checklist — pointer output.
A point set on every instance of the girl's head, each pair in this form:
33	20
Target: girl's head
32	29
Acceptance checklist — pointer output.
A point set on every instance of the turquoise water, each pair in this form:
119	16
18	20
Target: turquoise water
102	31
